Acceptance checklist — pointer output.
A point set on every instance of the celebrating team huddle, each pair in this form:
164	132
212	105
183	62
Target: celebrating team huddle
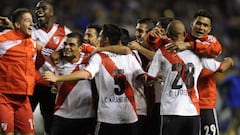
102	83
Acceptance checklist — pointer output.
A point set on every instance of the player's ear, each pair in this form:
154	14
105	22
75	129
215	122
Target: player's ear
80	48
209	29
106	40
17	25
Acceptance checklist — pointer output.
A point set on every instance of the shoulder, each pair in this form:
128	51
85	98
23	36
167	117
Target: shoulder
62	26
211	38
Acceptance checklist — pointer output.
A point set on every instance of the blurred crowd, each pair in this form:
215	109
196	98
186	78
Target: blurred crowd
77	14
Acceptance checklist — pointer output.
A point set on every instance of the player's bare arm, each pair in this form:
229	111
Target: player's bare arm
78	75
119	49
150	80
226	64
136	46
5	22
178	46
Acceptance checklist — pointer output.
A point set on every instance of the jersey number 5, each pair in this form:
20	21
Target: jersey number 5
119	81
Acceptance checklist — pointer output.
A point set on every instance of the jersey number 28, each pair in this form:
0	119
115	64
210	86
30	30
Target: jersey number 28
187	73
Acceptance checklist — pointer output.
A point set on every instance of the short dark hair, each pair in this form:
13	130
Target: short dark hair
77	35
97	27
148	21
48	2
125	36
113	32
17	14
164	21
204	13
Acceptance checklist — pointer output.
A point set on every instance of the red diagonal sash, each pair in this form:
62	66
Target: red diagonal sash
111	67
173	58
53	44
56	38
64	90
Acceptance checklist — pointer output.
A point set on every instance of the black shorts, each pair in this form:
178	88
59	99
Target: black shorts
209	122
153	121
142	125
116	129
46	100
64	126
180	125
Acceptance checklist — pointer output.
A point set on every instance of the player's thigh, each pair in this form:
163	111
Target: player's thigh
24	117
47	100
116	129
7	115
175	125
169	123
209	122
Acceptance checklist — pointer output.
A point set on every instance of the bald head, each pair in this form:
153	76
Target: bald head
176	30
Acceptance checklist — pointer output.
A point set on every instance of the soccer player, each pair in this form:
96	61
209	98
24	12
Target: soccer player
144	25
91	34
180	71
205	45
74	108
17	78
114	74
141	53
153	41
50	36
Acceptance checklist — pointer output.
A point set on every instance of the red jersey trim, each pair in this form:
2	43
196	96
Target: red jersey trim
110	67
65	89
173	58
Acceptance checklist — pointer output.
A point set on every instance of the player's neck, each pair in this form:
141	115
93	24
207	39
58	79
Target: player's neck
179	38
46	26
72	59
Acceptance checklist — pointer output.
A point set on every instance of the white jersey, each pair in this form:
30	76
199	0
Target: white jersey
139	90
180	74
74	98
114	74
50	41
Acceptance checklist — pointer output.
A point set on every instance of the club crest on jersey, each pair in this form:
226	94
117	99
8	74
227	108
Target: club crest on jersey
56	39
4	126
